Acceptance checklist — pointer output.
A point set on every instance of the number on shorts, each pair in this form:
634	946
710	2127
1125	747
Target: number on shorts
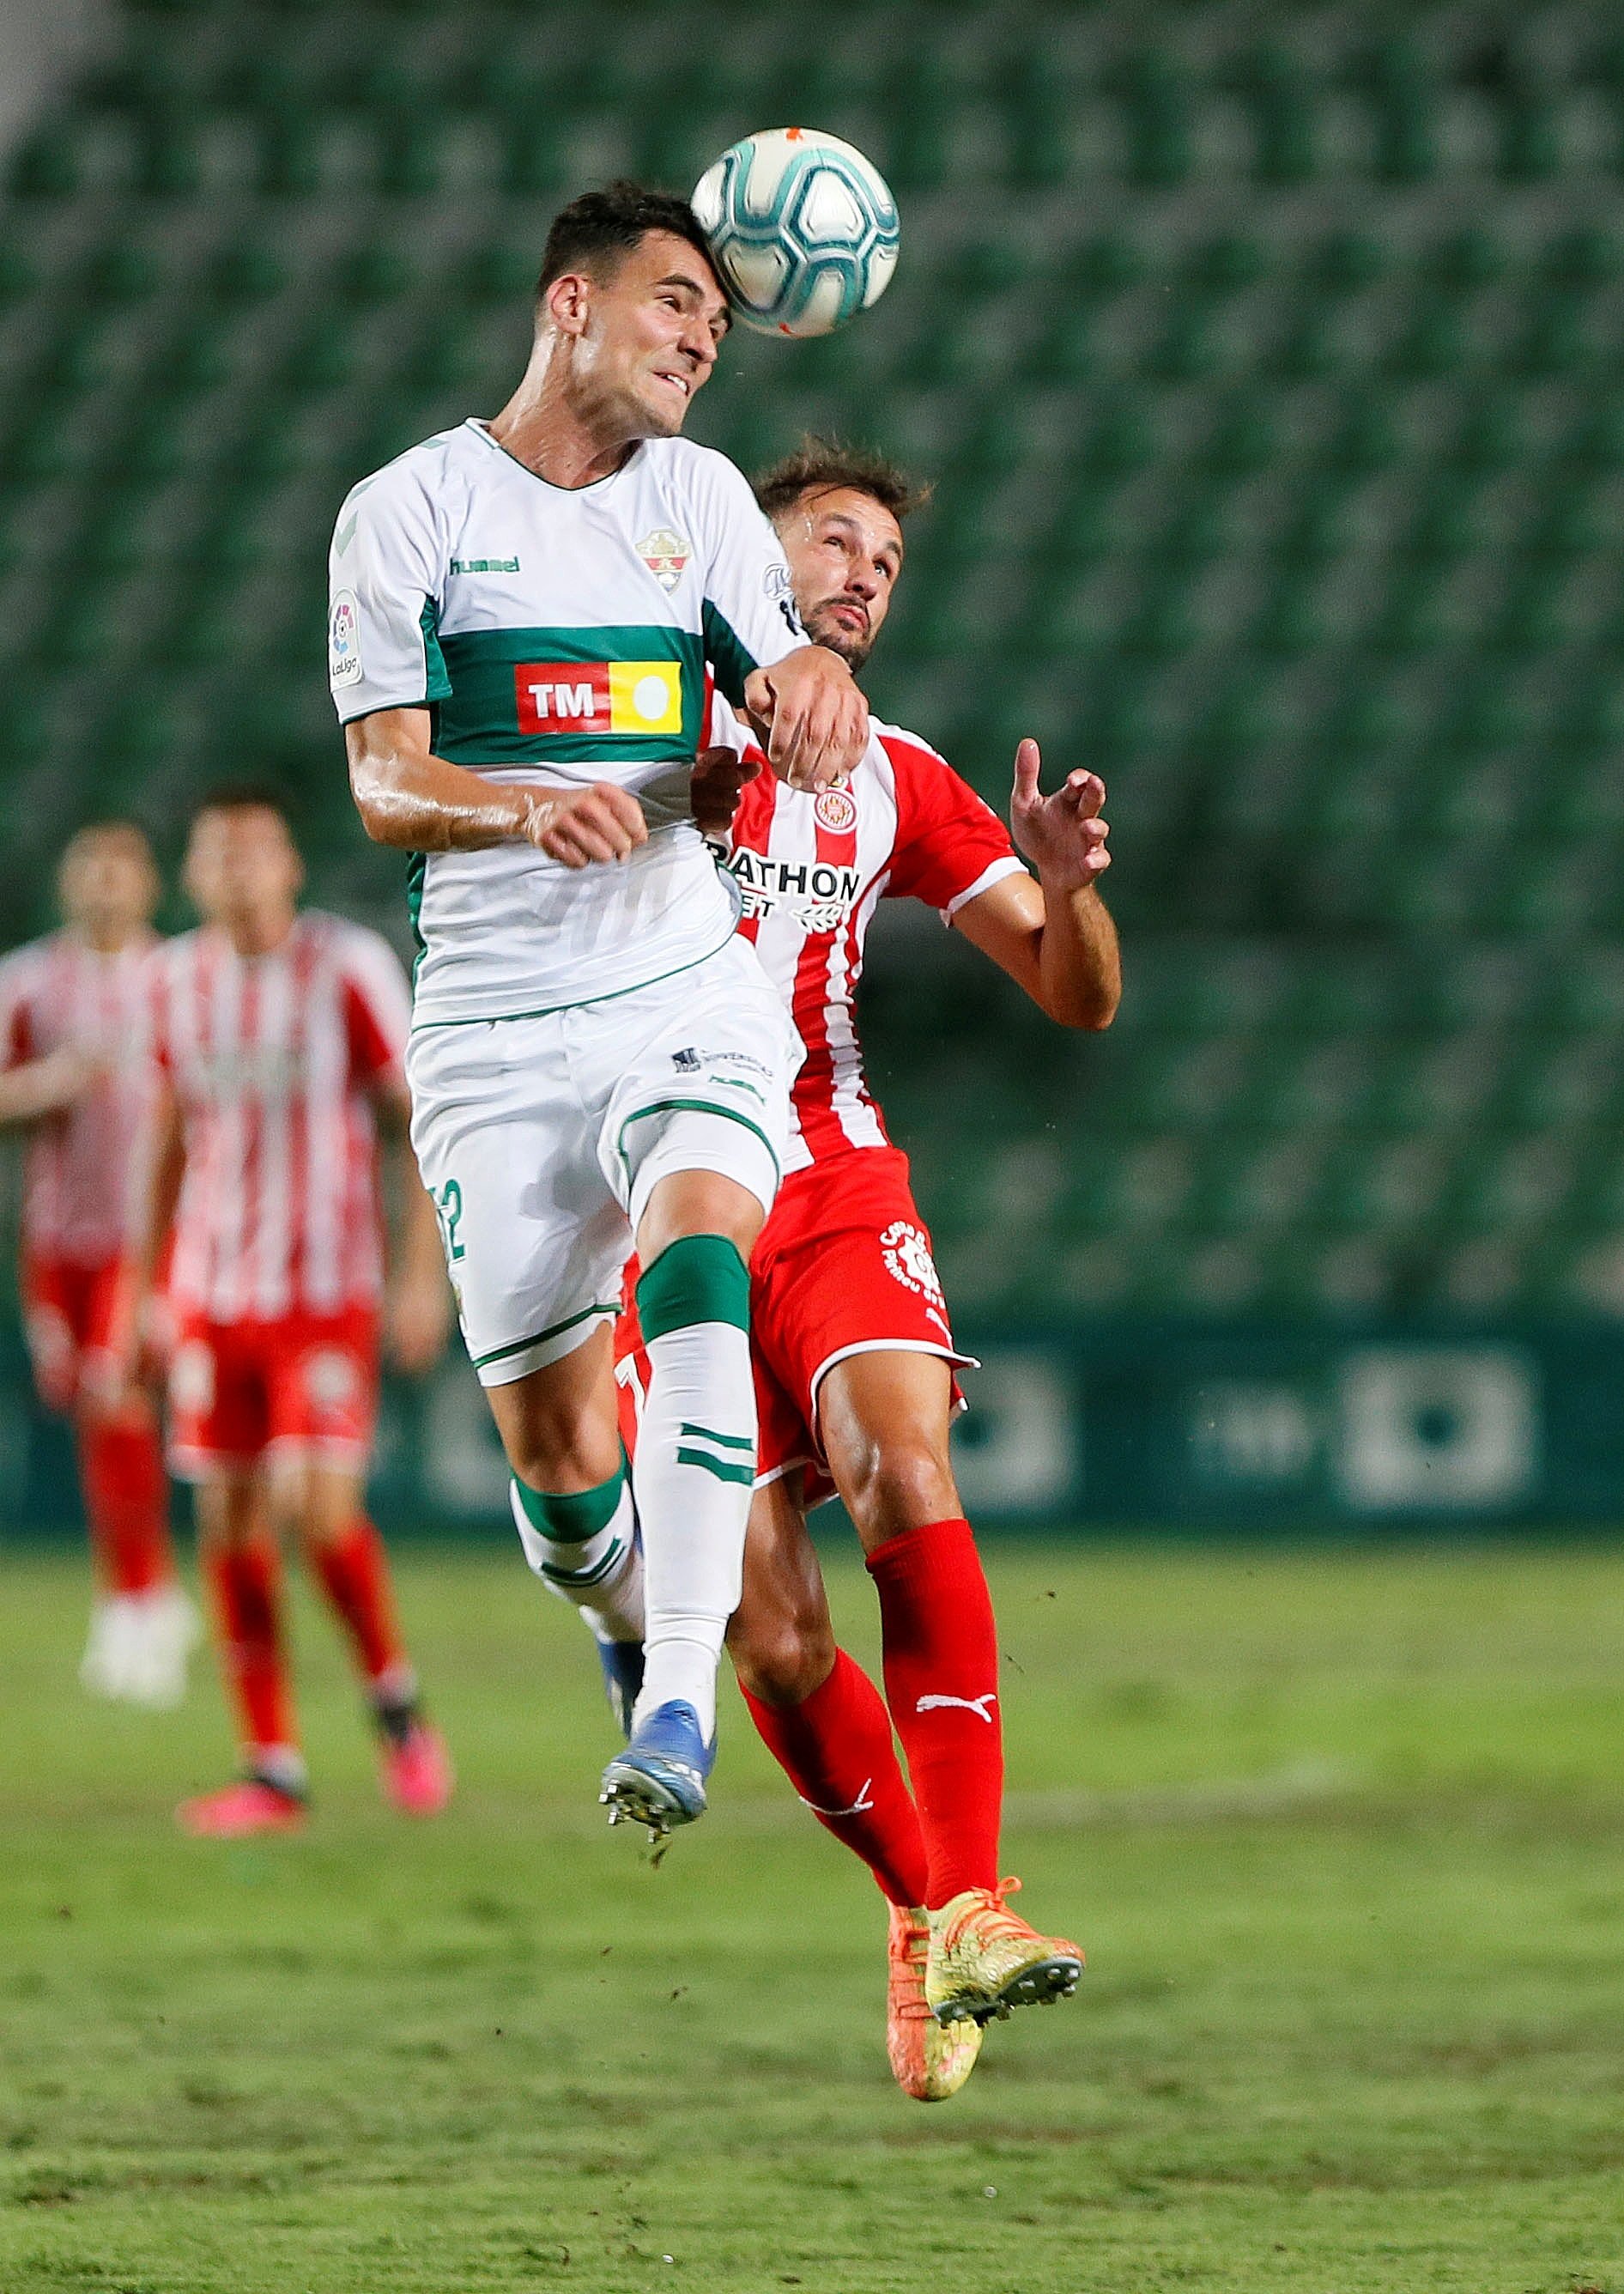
449	1206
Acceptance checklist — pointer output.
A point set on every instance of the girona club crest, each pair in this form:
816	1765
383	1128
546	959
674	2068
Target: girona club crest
835	810
907	1256
666	556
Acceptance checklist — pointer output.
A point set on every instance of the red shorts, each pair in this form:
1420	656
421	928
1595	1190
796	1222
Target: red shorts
842	1267
67	1319
302	1385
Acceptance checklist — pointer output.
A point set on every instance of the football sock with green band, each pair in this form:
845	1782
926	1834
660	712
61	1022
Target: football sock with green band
584	1547
695	1464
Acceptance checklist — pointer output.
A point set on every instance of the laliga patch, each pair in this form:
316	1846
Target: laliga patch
835	810
343	641
907	1257
666	556
623	697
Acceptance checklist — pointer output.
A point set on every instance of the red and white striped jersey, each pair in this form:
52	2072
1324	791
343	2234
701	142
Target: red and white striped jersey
273	1060
811	871
58	994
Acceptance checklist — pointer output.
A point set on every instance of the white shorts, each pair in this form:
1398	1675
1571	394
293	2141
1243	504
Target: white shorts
542	1139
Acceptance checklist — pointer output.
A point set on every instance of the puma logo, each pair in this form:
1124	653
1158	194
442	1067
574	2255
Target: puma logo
975	1704
859	1807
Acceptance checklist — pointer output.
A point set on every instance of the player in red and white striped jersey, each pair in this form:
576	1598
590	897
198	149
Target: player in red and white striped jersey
855	1354
77	1072
280	1035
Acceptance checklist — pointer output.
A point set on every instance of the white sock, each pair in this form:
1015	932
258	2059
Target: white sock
601	1574
694	1467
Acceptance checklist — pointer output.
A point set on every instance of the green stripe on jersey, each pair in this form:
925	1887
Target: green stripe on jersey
436	684
479	718
728	657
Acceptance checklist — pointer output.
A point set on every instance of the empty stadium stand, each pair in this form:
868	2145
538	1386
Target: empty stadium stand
1272	374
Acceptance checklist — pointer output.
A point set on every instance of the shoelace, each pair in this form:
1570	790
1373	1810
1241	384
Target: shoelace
992	1915
910	1947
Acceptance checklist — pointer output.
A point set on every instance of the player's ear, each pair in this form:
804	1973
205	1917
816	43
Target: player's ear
566	302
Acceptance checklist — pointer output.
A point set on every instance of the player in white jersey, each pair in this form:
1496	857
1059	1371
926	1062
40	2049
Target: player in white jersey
281	1034
855	1352
523	612
76	1070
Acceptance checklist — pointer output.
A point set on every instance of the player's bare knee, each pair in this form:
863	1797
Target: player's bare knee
783	1657
899	1481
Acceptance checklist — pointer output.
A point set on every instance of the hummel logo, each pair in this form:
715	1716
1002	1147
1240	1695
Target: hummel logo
975	1704
686	1061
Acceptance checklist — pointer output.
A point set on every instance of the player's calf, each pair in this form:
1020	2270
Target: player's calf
584	1548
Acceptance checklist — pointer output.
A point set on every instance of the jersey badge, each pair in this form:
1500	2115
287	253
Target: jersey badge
835	810
666	556
907	1257
343	641
686	1061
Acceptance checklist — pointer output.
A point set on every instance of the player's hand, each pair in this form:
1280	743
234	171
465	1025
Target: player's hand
1062	835
719	776
417	1317
809	711
587	826
123	1370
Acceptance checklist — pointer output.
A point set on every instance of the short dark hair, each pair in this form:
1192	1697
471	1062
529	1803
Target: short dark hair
241	796
818	466
598	230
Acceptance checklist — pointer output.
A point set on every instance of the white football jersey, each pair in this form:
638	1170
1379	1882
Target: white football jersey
559	636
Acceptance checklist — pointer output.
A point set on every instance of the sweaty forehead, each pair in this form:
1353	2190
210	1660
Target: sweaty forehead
853	510
663	254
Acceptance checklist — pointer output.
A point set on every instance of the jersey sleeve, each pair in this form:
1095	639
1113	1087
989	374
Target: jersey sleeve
750	616
951	846
386	576
376	1007
18	1040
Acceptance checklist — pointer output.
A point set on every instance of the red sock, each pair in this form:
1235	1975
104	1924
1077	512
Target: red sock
246	1582
126	1498
355	1573
941	1682
836	1750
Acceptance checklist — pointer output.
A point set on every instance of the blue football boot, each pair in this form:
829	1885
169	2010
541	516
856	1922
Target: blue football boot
659	1780
623	1663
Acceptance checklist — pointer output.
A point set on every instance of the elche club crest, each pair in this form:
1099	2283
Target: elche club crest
835	810
666	556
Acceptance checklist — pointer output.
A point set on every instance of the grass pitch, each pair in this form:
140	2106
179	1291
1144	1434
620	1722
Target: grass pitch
1343	1836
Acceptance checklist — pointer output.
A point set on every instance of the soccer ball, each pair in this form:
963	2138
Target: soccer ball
803	230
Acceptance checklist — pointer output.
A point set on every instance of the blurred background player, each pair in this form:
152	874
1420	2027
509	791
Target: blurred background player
279	1037
78	1075
854	1351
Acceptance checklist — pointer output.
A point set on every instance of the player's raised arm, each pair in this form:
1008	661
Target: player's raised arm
812	716
1054	937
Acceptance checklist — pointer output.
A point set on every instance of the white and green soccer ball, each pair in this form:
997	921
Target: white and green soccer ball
803	230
